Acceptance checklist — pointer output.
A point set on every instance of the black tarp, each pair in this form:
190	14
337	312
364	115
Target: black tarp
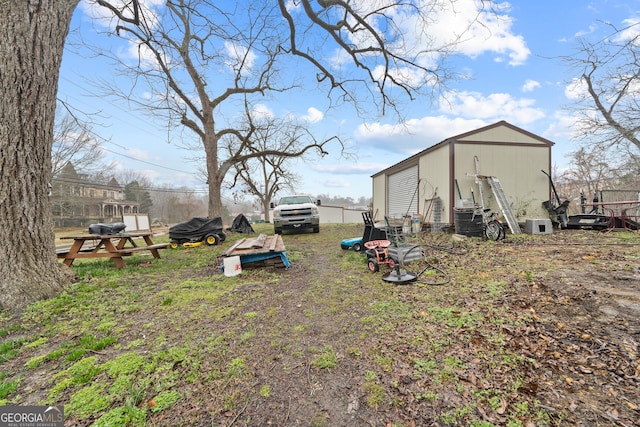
106	229
197	228
241	224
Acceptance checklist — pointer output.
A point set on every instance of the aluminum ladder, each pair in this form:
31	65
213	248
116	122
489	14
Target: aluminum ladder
501	199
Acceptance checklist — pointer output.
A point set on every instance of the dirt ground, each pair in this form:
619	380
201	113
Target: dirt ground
576	290
582	288
586	298
582	291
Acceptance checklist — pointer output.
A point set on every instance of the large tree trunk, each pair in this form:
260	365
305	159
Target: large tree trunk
32	35
215	176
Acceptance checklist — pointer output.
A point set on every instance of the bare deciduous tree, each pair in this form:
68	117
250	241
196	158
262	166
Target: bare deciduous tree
590	171
264	176
203	62
73	141
183	43
608	89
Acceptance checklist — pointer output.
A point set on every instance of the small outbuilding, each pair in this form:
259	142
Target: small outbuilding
435	182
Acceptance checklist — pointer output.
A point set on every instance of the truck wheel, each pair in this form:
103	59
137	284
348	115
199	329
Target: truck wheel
277	230
212	239
316	228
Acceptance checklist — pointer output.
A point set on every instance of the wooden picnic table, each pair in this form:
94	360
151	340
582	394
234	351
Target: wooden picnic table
113	246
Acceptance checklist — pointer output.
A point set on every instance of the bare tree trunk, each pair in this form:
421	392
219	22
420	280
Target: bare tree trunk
266	206
32	35
214	176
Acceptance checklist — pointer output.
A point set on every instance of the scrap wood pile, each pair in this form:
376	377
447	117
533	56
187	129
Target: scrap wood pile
261	251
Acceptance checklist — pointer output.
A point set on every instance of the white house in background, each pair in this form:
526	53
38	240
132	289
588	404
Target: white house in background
434	181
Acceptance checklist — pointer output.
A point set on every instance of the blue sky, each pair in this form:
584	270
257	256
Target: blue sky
514	74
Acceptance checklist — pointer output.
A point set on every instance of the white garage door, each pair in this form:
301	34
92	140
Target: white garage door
402	197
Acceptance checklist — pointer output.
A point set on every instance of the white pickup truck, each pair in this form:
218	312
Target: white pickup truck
296	213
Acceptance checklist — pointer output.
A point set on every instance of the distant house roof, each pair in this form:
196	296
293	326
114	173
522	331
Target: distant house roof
68	171
70	175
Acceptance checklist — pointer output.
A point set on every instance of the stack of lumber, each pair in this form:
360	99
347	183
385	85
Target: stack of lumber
261	251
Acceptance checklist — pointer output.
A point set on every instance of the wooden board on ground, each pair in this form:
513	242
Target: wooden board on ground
252	246
263	251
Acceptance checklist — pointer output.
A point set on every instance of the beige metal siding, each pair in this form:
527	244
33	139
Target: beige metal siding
517	167
379	197
503	134
513	155
434	181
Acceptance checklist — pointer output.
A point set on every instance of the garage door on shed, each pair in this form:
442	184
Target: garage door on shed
402	197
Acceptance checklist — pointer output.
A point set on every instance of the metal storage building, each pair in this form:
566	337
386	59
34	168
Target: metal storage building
434	181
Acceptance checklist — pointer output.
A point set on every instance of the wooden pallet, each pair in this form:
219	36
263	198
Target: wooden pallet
254	247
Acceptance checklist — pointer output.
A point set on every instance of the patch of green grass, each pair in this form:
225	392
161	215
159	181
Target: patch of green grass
79	373
374	392
10	349
37	343
7	387
36	361
125	364
122	416
165	400
236	368
428	395
385	362
265	391
89	401
456	317
325	360
422	366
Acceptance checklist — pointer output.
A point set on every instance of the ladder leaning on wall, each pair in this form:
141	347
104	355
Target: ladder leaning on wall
498	192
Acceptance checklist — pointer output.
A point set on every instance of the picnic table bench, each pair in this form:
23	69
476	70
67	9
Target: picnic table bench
102	246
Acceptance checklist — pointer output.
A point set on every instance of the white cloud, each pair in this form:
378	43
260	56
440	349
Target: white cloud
356	168
261	111
464	27
104	17
576	89
336	183
562	127
138	154
591	29
494	107
469	28
412	136
239	57
530	86
313	115
630	31
480	31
